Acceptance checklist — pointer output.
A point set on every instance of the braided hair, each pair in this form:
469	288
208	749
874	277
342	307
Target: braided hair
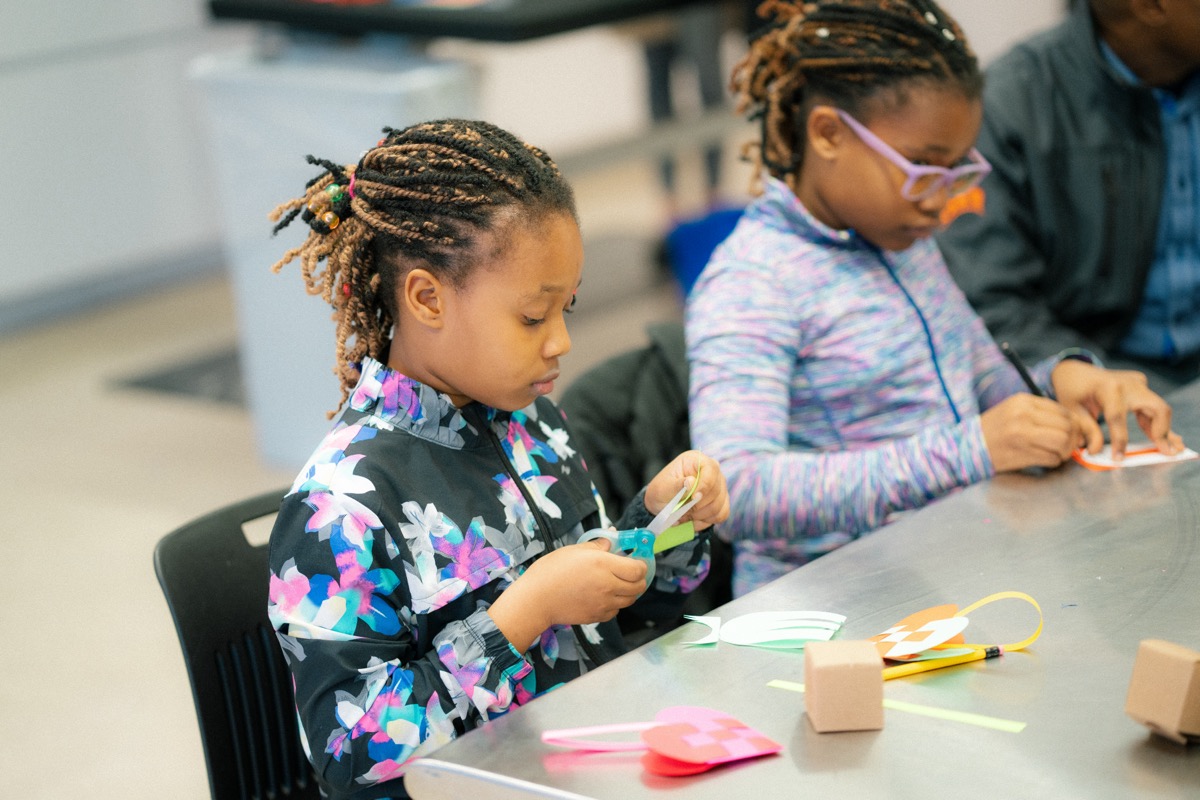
421	197
846	53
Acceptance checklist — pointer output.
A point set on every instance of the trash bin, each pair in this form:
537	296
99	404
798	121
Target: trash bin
265	112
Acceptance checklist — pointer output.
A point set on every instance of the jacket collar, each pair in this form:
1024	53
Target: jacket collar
1119	95
393	400
779	206
1086	39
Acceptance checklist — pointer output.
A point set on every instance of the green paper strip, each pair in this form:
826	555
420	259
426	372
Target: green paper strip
684	531
995	723
683	501
674	536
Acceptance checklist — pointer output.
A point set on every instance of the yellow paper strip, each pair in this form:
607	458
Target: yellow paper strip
983	721
991	598
995	723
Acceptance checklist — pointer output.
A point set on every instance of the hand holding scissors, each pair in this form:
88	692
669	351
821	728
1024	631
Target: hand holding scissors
644	543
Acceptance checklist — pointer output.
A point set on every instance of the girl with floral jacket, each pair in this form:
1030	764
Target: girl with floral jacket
426	574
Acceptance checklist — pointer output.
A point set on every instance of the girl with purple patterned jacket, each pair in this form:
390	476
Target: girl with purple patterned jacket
837	372
425	570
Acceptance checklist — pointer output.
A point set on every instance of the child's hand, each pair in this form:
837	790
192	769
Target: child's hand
573	585
713	505
1090	391
1027	431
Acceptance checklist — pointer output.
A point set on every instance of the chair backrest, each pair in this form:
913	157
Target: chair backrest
215	584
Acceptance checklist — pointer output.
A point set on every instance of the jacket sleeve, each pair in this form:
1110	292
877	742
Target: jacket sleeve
804	496
370	692
999	257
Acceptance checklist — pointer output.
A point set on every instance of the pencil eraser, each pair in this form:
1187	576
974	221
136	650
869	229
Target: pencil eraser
1164	692
843	686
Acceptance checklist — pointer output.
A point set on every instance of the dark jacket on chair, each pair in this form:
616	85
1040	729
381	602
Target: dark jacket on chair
630	414
629	418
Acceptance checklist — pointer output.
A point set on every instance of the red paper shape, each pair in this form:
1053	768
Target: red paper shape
669	767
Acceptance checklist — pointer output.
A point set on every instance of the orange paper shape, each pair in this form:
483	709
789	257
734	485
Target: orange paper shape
921	631
1134	457
973	201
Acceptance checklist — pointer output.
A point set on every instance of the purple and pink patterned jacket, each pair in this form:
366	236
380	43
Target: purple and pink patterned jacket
836	383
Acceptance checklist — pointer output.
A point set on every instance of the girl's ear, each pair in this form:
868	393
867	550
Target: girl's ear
423	296
825	132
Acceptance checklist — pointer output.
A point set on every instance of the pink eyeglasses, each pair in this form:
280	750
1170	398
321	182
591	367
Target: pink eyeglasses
924	181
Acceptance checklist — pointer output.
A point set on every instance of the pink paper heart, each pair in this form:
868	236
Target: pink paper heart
702	736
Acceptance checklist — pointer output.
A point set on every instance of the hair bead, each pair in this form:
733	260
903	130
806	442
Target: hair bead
336	195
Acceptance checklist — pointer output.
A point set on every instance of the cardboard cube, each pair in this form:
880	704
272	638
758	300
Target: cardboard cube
1164	692
843	686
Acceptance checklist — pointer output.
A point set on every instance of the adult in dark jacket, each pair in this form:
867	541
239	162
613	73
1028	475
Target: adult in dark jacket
1090	236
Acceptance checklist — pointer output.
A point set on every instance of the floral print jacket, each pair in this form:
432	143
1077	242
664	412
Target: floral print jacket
410	518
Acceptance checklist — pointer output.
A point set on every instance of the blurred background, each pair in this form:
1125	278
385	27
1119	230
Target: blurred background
151	366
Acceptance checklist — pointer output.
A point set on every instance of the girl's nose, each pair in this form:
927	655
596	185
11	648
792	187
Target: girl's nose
934	203
558	343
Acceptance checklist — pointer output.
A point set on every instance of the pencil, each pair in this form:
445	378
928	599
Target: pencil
1016	361
914	667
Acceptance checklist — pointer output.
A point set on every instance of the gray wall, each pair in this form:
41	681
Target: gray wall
104	151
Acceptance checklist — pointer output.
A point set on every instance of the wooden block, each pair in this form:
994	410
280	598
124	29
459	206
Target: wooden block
843	686
1164	692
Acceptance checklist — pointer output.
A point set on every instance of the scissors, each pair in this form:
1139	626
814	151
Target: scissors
640	542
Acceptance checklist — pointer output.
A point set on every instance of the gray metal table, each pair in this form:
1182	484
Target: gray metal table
1112	558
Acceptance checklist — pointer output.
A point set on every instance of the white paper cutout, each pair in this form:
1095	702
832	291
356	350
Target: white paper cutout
1139	456
714	625
781	629
936	632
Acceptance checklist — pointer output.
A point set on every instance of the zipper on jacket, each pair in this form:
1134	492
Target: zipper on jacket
937	367
541	524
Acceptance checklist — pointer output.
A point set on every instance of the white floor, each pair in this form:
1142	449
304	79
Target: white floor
94	699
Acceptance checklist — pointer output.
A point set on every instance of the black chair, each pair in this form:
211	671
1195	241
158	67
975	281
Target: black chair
215	583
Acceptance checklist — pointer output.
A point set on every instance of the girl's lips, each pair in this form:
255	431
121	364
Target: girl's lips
921	231
546	385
